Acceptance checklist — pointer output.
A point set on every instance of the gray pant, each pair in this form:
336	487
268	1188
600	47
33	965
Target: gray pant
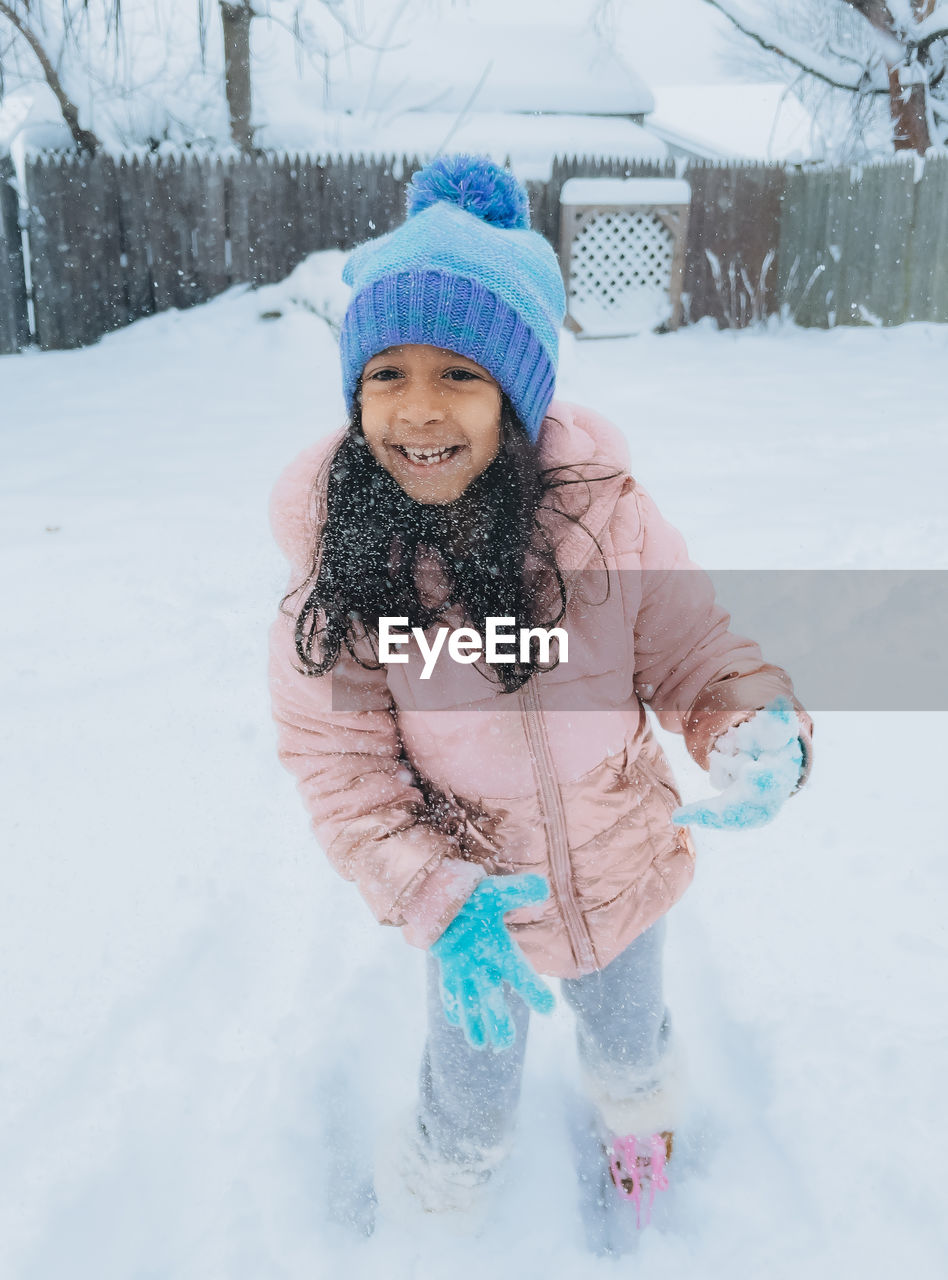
469	1097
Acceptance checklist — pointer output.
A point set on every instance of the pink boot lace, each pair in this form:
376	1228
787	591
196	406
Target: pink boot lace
641	1162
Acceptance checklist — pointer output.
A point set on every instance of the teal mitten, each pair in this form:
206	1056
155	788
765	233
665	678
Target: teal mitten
477	956
756	765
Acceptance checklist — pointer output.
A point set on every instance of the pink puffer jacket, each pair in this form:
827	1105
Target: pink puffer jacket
418	789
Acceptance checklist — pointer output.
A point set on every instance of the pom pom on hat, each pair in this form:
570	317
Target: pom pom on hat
475	184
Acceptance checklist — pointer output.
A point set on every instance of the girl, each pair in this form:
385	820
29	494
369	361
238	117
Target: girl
506	806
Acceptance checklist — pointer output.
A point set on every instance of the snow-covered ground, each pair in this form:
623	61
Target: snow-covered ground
201	1029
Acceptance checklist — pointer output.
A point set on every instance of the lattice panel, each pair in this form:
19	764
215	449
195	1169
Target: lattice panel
620	269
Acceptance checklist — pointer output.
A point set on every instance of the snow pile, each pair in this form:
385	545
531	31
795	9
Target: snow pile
315	286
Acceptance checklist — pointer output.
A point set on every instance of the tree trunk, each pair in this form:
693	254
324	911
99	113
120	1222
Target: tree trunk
907	104
908	110
235	21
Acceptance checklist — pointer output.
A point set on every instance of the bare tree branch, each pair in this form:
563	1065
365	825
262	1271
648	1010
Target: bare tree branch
843	56
930	32
901	69
84	139
863	81
301	31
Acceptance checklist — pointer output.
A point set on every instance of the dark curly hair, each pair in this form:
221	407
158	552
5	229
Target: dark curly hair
496	557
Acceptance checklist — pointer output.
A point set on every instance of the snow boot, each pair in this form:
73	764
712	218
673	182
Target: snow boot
638	1169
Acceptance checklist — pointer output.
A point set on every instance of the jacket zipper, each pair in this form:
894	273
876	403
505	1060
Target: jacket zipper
554	815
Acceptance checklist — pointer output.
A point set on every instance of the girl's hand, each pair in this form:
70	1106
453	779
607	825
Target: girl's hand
756	765
478	955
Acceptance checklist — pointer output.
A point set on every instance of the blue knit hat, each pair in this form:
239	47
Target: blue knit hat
465	272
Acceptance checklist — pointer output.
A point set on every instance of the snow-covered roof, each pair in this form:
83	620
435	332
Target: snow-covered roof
753	121
607	191
465	62
530	142
31	115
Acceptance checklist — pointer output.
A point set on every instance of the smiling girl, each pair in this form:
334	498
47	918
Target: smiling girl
431	418
514	817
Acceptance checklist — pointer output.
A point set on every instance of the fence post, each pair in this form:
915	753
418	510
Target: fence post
14	318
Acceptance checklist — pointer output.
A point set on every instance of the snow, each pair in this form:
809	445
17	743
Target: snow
14	112
530	142
202	1030
937	21
30	118
395	61
603	62
640	308
506	79
839	69
625	191
466	82
150	83
755	768
466	60
677	41
753	121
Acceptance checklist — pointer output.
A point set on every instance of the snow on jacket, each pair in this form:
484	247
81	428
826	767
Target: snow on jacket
418	789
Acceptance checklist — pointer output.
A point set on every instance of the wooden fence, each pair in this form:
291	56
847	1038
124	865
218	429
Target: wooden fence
113	240
867	245
733	234
14	317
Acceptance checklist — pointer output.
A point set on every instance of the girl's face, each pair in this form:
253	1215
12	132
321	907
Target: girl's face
431	418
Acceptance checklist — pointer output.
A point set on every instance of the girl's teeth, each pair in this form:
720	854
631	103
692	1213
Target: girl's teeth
427	456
